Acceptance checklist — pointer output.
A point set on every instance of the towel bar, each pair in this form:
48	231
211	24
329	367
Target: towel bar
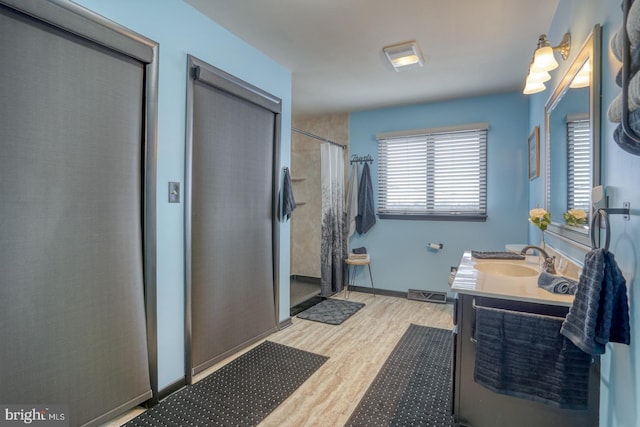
473	338
524	313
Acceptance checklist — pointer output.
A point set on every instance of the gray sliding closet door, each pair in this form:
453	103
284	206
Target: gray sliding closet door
72	316
232	297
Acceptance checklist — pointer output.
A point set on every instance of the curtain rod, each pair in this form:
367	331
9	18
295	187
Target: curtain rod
319	138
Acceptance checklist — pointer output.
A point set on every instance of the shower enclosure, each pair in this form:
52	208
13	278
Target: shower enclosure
307	241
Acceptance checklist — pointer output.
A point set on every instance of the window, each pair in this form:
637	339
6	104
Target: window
579	164
433	174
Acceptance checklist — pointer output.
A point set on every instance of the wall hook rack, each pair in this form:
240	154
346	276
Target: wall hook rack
361	159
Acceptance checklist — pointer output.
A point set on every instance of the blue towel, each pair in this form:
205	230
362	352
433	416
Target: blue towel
600	312
557	284
360	250
366	213
523	355
614	326
288	201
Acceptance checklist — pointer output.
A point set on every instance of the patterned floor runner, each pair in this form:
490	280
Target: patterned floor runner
413	387
241	393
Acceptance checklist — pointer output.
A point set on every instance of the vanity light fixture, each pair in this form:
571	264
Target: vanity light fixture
404	56
543	61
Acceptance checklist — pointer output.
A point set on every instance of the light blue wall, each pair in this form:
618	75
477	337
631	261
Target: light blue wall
398	248
620	384
181	30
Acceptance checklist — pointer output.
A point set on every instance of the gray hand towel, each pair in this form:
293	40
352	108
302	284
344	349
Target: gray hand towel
557	284
523	355
600	312
288	201
614	326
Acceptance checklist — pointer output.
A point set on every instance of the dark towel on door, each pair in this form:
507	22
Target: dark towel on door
600	312
366	213
523	355
288	201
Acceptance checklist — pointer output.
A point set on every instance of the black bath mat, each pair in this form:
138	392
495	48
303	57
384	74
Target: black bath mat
413	387
241	393
331	311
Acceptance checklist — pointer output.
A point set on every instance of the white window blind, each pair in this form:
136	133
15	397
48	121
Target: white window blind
433	175
579	165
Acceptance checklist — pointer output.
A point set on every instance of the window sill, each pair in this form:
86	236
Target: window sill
436	217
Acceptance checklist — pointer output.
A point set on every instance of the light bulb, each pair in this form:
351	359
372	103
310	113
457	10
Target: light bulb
543	59
533	87
538	76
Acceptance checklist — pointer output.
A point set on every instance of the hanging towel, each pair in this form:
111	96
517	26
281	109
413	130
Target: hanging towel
614	328
600	312
557	284
366	213
288	201
352	200
523	355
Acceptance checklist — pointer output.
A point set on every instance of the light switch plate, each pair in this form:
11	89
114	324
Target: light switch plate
174	192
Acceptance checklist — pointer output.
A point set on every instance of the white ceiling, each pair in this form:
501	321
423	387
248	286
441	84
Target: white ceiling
334	47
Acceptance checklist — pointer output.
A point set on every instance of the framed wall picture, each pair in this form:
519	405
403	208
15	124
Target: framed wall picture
534	153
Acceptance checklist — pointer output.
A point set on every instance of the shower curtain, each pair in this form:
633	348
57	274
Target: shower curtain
333	242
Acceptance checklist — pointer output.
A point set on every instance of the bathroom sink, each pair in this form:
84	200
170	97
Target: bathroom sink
506	269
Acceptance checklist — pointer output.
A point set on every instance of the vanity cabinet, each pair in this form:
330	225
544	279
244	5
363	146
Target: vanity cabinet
476	406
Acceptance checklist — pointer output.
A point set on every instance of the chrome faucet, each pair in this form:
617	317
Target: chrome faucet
549	261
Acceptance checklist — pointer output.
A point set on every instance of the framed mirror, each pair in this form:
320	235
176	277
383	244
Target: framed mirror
572	134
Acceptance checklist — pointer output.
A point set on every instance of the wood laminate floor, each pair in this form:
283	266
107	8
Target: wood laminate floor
357	349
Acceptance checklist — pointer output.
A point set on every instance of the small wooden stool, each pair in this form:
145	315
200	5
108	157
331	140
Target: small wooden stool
352	264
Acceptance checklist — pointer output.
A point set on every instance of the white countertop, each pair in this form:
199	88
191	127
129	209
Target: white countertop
470	281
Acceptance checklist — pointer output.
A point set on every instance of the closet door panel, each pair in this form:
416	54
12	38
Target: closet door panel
232	223
72	319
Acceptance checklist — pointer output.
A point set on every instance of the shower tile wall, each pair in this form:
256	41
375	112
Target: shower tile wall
305	165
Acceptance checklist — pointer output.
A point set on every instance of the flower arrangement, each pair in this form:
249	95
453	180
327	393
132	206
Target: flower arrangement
575	217
541	219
